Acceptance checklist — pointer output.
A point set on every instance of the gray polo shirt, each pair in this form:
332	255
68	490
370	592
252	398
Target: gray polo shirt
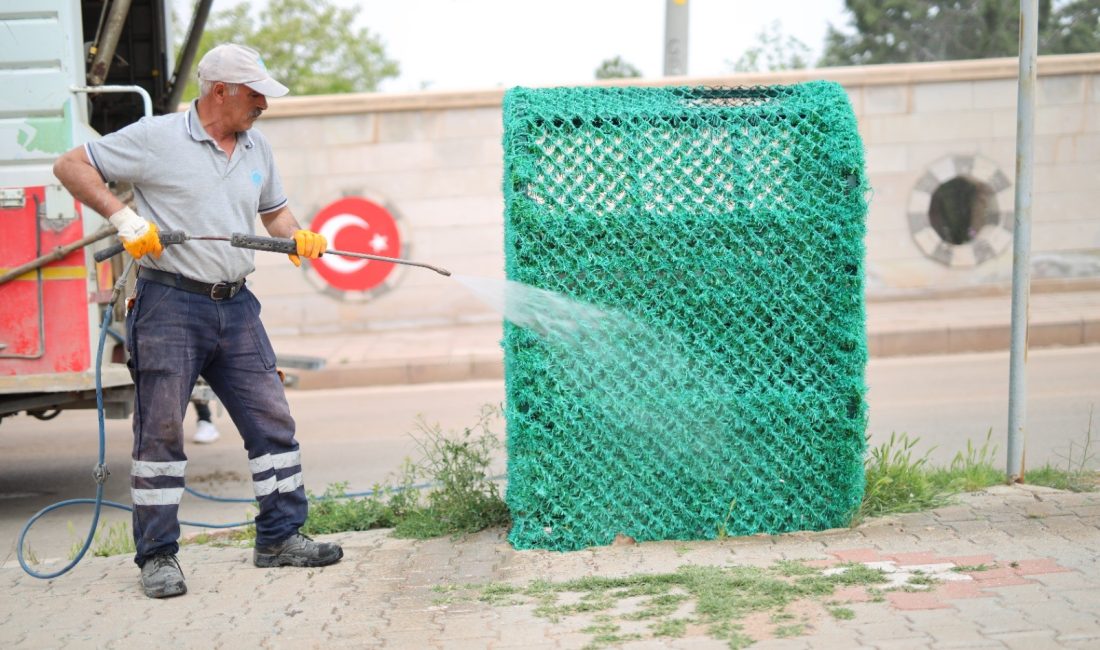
184	181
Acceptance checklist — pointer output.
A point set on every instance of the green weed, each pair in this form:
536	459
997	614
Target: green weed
1078	474
720	598
723	528
971	471
969	568
897	482
674	627
461	497
788	631
30	557
919	579
114	539
331	513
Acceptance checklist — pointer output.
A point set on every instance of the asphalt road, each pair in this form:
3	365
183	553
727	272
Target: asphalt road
361	435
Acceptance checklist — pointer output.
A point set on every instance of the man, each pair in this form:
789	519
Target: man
204	171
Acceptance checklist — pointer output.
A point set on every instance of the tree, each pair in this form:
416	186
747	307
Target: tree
616	68
774	51
308	45
898	31
1075	28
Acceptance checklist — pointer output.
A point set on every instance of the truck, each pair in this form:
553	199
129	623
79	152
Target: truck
71	70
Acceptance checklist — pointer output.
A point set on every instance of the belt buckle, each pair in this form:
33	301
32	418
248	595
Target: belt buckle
216	287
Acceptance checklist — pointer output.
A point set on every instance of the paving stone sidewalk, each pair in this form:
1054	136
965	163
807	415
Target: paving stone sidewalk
1014	568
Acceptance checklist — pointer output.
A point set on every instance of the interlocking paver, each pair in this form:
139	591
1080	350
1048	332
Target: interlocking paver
1042	589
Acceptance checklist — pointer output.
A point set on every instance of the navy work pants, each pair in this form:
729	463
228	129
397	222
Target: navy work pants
173	337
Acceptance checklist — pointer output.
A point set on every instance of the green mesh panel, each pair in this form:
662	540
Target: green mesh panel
720	230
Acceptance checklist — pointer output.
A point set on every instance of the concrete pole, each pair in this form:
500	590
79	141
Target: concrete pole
676	38
1021	241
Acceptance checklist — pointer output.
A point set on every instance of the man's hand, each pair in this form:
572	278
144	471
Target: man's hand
310	244
138	235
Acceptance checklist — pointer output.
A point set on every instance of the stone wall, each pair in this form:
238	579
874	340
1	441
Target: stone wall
434	160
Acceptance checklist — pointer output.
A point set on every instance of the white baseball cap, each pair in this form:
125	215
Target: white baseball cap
238	64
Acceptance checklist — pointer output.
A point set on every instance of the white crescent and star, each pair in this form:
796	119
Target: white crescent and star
334	226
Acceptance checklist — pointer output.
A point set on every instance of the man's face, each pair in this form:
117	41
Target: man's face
242	110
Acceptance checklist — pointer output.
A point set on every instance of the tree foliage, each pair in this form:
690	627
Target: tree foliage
617	68
308	45
899	31
774	51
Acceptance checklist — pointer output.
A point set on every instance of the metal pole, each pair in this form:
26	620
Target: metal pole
676	37
187	56
105	49
146	100
1021	242
58	253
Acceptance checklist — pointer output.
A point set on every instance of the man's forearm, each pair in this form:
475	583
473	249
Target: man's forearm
280	223
83	181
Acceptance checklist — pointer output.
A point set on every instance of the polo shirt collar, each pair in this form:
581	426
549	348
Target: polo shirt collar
199	134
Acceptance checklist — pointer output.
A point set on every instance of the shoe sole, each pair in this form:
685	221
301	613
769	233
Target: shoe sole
265	561
168	591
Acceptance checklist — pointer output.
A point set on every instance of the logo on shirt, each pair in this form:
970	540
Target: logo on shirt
257	177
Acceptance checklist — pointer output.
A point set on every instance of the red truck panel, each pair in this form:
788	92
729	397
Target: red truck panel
64	296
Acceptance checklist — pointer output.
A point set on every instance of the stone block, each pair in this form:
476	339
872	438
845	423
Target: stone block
1062	120
995	93
886	100
1085	148
407	126
892	128
886	158
336	130
471	122
949	96
1061	89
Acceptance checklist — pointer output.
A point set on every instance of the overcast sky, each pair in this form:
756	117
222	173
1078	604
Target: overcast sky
469	44
474	44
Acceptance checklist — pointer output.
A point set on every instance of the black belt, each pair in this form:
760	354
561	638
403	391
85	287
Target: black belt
216	291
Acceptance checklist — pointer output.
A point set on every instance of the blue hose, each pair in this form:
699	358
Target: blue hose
100	471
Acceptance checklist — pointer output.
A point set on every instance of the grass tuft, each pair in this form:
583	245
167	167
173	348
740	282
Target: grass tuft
897	482
113	539
1077	475
719	599
970	471
461	496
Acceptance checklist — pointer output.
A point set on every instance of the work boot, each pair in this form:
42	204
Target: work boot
161	577
297	550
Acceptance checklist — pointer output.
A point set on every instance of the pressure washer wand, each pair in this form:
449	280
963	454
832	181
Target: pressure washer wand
267	244
288	246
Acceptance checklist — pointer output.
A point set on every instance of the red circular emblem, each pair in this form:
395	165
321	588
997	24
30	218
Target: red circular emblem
356	225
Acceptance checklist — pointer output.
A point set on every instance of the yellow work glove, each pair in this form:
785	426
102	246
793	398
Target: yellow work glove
310	244
138	236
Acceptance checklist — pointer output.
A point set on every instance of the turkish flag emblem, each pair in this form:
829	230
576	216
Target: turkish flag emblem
356	225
